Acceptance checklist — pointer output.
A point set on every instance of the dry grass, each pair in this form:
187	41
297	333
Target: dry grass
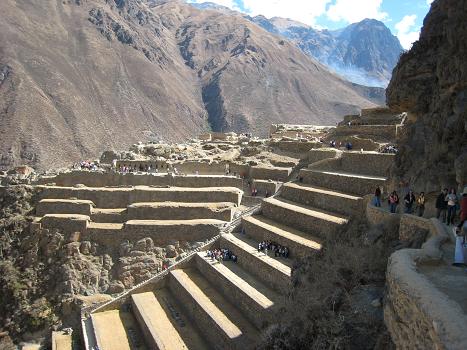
329	306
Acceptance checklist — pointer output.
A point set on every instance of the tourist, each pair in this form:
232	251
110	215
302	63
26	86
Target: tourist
377	200
442	205
348	145
421	204
393	201
451	199
409	200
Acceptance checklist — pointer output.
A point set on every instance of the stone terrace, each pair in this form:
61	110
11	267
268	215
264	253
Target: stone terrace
206	304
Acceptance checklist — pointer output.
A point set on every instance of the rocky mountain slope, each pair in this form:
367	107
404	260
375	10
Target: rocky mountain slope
430	82
364	52
78	77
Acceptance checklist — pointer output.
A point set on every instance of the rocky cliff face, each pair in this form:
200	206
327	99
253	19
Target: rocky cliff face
363	52
430	81
78	77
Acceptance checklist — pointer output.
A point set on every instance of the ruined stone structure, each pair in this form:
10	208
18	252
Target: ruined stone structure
306	192
204	304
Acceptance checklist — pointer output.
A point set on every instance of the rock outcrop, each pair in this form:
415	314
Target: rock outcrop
430	82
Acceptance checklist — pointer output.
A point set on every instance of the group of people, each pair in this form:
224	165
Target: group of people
411	202
221	255
279	250
447	204
87	165
389	149
133	169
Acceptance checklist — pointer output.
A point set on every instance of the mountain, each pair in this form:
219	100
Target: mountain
363	52
78	77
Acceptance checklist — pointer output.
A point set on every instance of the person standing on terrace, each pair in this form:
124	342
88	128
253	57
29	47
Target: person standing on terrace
378	197
441	205
393	201
409	200
421	204
451	198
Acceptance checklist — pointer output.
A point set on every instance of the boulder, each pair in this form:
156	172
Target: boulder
115	287
170	251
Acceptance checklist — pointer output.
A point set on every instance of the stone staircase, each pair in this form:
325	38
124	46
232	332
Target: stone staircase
207	304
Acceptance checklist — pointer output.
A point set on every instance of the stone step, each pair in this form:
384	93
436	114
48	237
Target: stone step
356	184
321	198
299	243
221	323
162	324
274	272
308	219
116	330
255	301
181	211
113	216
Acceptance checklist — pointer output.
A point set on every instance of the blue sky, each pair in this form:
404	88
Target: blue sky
403	17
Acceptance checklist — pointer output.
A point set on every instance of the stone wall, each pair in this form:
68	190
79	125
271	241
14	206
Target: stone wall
346	205
316	155
377	215
411	225
376	132
377	164
266	186
294	146
122	197
417	314
355	185
202	168
270	173
64	206
65	223
177	211
161	232
101	179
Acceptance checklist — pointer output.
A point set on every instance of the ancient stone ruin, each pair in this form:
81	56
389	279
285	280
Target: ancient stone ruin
139	229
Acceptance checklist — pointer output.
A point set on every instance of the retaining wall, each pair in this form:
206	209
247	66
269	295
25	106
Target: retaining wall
417	314
270	173
64	206
111	179
121	197
177	211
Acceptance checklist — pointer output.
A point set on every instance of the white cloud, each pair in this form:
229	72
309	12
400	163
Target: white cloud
352	11
407	36
428	2
305	11
227	3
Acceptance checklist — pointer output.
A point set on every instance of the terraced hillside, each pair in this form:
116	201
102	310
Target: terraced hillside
209	304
